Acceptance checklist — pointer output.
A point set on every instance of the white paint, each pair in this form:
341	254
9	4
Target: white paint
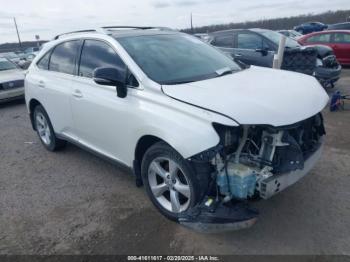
113	126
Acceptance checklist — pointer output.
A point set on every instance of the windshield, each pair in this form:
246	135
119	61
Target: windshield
177	58
6	65
275	37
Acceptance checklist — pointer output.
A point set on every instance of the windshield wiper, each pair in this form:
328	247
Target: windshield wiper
178	82
224	71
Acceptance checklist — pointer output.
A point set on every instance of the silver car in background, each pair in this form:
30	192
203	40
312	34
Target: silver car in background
11	81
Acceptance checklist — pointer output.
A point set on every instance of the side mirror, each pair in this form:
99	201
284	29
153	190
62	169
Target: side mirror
109	76
264	51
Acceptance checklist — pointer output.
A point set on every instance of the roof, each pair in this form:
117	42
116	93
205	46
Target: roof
2	59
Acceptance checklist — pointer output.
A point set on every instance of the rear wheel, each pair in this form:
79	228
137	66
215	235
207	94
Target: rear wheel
170	181
45	131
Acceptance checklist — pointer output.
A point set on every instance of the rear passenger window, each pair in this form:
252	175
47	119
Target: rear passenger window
44	61
223	41
98	54
63	57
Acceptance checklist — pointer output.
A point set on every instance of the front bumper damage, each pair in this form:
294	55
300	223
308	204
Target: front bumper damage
285	156
213	216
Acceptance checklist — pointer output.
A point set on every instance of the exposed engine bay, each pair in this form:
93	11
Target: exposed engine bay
253	161
249	156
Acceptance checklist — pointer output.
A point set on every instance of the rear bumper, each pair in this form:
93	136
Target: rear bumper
13	94
275	184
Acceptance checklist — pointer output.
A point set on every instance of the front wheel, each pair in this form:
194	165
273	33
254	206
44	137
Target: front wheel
170	181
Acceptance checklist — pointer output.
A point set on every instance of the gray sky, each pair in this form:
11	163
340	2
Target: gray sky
50	17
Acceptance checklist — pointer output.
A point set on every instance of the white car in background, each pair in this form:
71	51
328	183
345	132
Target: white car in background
200	131
11	81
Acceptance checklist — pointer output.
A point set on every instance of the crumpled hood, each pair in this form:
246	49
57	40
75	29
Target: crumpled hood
256	96
11	75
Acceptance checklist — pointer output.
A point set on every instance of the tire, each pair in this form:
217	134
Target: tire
45	130
163	186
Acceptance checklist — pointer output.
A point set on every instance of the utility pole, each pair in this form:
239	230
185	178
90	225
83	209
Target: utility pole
19	39
191	24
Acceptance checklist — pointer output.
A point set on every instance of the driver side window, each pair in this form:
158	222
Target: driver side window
96	54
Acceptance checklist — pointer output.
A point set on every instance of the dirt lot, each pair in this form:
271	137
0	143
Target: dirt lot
75	203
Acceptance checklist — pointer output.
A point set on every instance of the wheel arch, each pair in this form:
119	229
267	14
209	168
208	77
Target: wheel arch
31	106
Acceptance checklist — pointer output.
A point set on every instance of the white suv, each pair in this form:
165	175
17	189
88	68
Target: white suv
192	125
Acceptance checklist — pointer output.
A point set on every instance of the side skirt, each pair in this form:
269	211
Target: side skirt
118	164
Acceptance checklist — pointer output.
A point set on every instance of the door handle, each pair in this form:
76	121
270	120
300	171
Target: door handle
77	93
237	55
41	84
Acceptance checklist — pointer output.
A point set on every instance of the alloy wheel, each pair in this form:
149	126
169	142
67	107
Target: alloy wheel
169	185
43	128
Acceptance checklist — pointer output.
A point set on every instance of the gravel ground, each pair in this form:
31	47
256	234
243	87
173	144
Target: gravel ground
72	202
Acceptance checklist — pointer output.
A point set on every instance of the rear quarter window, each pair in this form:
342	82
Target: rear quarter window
44	61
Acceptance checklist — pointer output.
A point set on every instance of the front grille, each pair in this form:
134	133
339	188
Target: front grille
11	85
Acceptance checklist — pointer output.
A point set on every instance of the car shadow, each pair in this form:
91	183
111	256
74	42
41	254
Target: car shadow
12	103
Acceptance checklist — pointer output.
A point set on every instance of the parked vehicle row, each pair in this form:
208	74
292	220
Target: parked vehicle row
23	59
194	126
258	47
311	27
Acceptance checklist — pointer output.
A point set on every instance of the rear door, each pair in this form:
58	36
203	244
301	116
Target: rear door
252	49
341	46
53	83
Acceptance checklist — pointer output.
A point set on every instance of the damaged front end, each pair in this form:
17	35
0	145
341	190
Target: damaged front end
252	162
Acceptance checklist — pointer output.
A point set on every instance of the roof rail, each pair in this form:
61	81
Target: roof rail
128	27
110	28
75	32
106	29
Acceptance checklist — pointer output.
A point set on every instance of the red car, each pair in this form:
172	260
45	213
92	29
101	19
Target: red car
339	40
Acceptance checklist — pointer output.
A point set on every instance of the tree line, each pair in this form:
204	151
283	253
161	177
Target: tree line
330	17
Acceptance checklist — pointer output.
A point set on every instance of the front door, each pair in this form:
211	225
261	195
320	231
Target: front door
251	49
101	117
